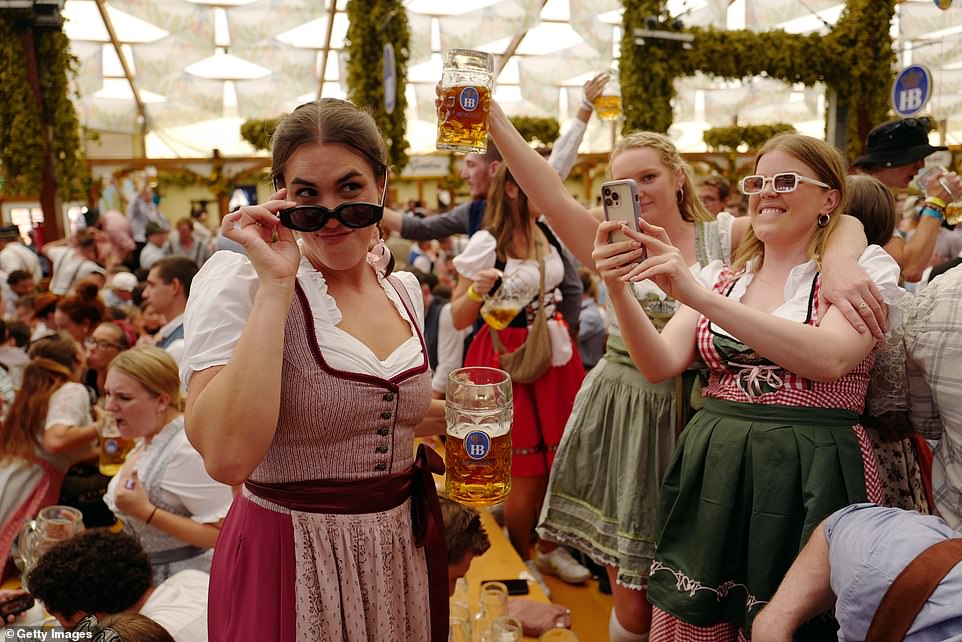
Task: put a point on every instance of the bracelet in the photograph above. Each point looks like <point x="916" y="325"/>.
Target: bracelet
<point x="473" y="294"/>
<point x="936" y="201"/>
<point x="587" y="104"/>
<point x="152" y="513"/>
<point x="933" y="212"/>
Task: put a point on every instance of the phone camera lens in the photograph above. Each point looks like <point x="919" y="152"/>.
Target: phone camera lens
<point x="614" y="196"/>
<point x="608" y="202"/>
<point x="606" y="191"/>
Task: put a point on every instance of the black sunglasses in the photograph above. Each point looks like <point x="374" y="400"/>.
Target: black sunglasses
<point x="923" y="122"/>
<point x="311" y="218"/>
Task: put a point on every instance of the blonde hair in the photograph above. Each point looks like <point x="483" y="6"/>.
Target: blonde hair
<point x="154" y="369"/>
<point x="499" y="219"/>
<point x="829" y="167"/>
<point x="689" y="206"/>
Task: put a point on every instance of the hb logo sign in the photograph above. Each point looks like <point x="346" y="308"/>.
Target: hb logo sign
<point x="477" y="444"/>
<point x="911" y="90"/>
<point x="469" y="99"/>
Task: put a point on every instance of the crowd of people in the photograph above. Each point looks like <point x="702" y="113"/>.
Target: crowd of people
<point x="725" y="398"/>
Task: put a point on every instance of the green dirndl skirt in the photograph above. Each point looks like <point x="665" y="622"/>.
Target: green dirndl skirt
<point x="616" y="448"/>
<point x="747" y="486"/>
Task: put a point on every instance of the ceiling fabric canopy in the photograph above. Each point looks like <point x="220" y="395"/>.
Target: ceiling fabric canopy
<point x="202" y="67"/>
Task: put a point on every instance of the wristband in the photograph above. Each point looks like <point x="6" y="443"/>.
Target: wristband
<point x="587" y="104"/>
<point x="473" y="294"/>
<point x="936" y="201"/>
<point x="933" y="212"/>
<point x="152" y="513"/>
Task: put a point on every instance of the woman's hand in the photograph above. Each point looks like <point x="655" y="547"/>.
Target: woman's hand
<point x="615" y="260"/>
<point x="944" y="185"/>
<point x="131" y="498"/>
<point x="665" y="265"/>
<point x="5" y="596"/>
<point x="275" y="258"/>
<point x="485" y="280"/>
<point x="595" y="86"/>
<point x="856" y="296"/>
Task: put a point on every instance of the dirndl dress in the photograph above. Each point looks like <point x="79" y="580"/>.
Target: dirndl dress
<point x="770" y="456"/>
<point x="619" y="440"/>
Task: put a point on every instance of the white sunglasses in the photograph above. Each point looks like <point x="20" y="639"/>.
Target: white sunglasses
<point x="781" y="183"/>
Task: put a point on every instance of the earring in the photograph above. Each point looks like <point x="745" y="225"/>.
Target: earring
<point x="680" y="196"/>
<point x="823" y="219"/>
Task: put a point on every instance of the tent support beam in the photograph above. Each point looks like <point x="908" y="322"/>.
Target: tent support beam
<point x="140" y="138"/>
<point x="326" y="52"/>
<point x="513" y="46"/>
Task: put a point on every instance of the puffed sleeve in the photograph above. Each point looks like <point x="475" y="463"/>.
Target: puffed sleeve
<point x="884" y="271"/>
<point x="221" y="298"/>
<point x="186" y="478"/>
<point x="710" y="273"/>
<point x="726" y="223"/>
<point x="69" y="406"/>
<point x="479" y="254"/>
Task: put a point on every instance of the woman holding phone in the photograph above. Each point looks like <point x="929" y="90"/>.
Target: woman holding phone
<point x="777" y="446"/>
<point x="608" y="510"/>
<point x="297" y="396"/>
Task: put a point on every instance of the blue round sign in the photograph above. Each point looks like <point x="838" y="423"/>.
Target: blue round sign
<point x="477" y="444"/>
<point x="469" y="99"/>
<point x="390" y="79"/>
<point x="911" y="90"/>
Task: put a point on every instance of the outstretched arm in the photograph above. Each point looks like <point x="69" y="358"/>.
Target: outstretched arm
<point x="573" y="224"/>
<point x="846" y="285"/>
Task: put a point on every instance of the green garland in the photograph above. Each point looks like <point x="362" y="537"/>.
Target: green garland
<point x="536" y="128"/>
<point x="23" y="141"/>
<point x="855" y="59"/>
<point x="258" y="132"/>
<point x="372" y="24"/>
<point x="729" y="139"/>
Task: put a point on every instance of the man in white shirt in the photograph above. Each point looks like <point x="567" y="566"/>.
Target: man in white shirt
<point x="157" y="245"/>
<point x="168" y="286"/>
<point x="72" y="264"/>
<point x="14" y="255"/>
<point x="101" y="573"/>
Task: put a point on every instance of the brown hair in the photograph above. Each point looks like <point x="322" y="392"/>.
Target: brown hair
<point x="463" y="532"/>
<point x="500" y="220"/>
<point x="154" y="369"/>
<point x="324" y="122"/>
<point x="134" y="627"/>
<point x="871" y="202"/>
<point x="689" y="206"/>
<point x="84" y="306"/>
<point x="719" y="183"/>
<point x="829" y="167"/>
<point x="177" y="267"/>
<point x="52" y="363"/>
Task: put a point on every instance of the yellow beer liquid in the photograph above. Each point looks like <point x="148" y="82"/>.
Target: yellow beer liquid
<point x="474" y="482"/>
<point x="953" y="213"/>
<point x="463" y="118"/>
<point x="499" y="318"/>
<point x="608" y="107"/>
<point x="113" y="452"/>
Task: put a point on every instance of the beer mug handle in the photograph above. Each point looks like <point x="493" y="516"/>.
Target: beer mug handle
<point x="25" y="541"/>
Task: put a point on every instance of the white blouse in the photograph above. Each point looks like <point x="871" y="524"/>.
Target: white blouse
<point x="184" y="480"/>
<point x="882" y="269"/>
<point x="69" y="406"/>
<point x="221" y="298"/>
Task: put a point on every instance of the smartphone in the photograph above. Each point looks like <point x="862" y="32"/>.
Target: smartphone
<point x="515" y="587"/>
<point x="15" y="606"/>
<point x="621" y="203"/>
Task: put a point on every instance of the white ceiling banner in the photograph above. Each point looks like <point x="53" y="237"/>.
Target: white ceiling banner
<point x="917" y="19"/>
<point x="762" y="15"/>
<point x="585" y="19"/>
<point x="420" y="47"/>
<point x="500" y="20"/>
<point x="188" y="20"/>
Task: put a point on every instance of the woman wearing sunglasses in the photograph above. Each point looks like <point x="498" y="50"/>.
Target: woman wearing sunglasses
<point x="607" y="510"/>
<point x="777" y="446"/>
<point x="307" y="375"/>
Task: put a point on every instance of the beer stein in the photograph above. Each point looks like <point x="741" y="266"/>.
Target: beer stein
<point x="459" y="624"/>
<point x="478" y="409"/>
<point x="466" y="85"/>
<point x="608" y="104"/>
<point x="492" y="602"/>
<point x="506" y="629"/>
<point x="53" y="524"/>
<point x="113" y="447"/>
<point x="516" y="291"/>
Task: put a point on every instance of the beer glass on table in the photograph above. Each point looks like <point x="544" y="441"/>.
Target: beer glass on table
<point x="53" y="524"/>
<point x="113" y="447"/>
<point x="478" y="409"/>
<point x="466" y="85"/>
<point x="608" y="104"/>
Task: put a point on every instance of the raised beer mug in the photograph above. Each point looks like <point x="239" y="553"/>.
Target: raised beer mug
<point x="466" y="84"/>
<point x="113" y="447"/>
<point x="515" y="292"/>
<point x="478" y="409"/>
<point x="608" y="104"/>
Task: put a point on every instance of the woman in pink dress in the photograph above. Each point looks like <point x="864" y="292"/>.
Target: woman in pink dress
<point x="307" y="376"/>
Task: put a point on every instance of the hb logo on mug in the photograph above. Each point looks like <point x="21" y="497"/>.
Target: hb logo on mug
<point x="469" y="99"/>
<point x="477" y="444"/>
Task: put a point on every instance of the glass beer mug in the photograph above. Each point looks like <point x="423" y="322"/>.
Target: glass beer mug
<point x="516" y="291"/>
<point x="466" y="84"/>
<point x="608" y="104"/>
<point x="53" y="524"/>
<point x="113" y="447"/>
<point x="478" y="409"/>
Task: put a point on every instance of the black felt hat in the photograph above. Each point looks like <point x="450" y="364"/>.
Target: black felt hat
<point x="898" y="142"/>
